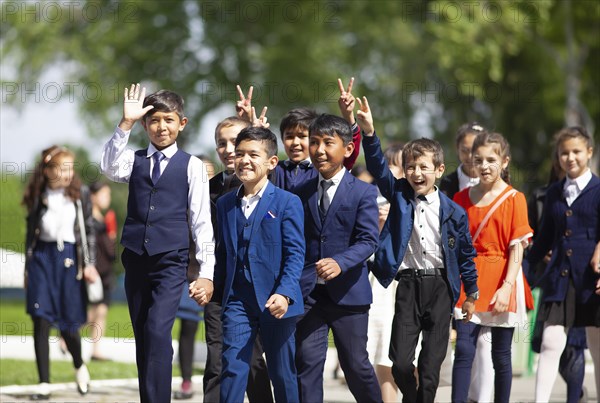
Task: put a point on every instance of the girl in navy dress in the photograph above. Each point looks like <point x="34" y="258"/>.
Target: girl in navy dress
<point x="570" y="228"/>
<point x="55" y="268"/>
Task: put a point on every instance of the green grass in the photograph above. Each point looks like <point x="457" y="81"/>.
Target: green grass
<point x="12" y="213"/>
<point x="14" y="321"/>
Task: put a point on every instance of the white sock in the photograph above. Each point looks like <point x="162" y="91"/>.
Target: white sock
<point x="482" y="373"/>
<point x="593" y="342"/>
<point x="554" y="340"/>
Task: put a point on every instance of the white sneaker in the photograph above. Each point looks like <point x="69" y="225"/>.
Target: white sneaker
<point x="42" y="392"/>
<point x="82" y="379"/>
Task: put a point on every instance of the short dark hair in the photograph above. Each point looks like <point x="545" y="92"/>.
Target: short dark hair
<point x="416" y="148"/>
<point x="164" y="101"/>
<point x="265" y="136"/>
<point x="332" y="126"/>
<point x="298" y="117"/>
<point x="394" y="153"/>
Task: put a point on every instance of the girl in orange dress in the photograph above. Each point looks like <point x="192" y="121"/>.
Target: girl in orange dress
<point x="499" y="226"/>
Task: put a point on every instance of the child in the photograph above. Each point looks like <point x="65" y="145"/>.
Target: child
<point x="569" y="229"/>
<point x="340" y="215"/>
<point x="260" y="251"/>
<point x="298" y="168"/>
<point x="259" y="386"/>
<point x="425" y="245"/>
<point x="500" y="229"/>
<point x="168" y="198"/>
<point x="464" y="176"/>
<point x="57" y="259"/>
<point x="105" y="229"/>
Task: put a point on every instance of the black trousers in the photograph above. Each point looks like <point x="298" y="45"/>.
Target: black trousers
<point x="423" y="305"/>
<point x="259" y="385"/>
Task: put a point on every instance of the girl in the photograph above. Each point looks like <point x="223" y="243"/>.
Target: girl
<point x="105" y="229"/>
<point x="570" y="228"/>
<point x="56" y="203"/>
<point x="499" y="227"/>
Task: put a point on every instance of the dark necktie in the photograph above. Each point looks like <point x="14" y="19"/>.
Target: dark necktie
<point x="325" y="200"/>
<point x="158" y="157"/>
<point x="422" y="197"/>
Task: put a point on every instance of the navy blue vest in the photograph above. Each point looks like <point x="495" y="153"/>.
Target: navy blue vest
<point x="244" y="229"/>
<point x="157" y="215"/>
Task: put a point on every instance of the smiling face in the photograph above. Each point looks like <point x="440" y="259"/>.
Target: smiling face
<point x="295" y="143"/>
<point x="327" y="153"/>
<point x="252" y="163"/>
<point x="422" y="173"/>
<point x="488" y="163"/>
<point x="574" y="156"/>
<point x="225" y="140"/>
<point x="163" y="128"/>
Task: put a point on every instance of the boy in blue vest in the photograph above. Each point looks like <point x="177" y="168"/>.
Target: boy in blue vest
<point x="168" y="199"/>
<point x="259" y="258"/>
<point x="426" y="246"/>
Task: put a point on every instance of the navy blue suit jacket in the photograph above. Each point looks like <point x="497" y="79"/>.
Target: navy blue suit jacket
<point x="572" y="234"/>
<point x="348" y="235"/>
<point x="457" y="246"/>
<point x="275" y="251"/>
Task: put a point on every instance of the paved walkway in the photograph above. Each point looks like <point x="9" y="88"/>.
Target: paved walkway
<point x="125" y="390"/>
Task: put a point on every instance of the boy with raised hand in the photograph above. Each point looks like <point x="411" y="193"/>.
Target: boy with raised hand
<point x="298" y="168"/>
<point x="341" y="231"/>
<point x="168" y="199"/>
<point x="426" y="246"/>
<point x="259" y="257"/>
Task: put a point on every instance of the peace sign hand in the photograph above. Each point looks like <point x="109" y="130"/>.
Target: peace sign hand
<point x="346" y="101"/>
<point x="365" y="118"/>
<point x="261" y="121"/>
<point x="243" y="107"/>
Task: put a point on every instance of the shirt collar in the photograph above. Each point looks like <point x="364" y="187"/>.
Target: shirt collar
<point x="240" y="192"/>
<point x="465" y="181"/>
<point x="307" y="162"/>
<point x="581" y="181"/>
<point x="168" y="152"/>
<point x="336" y="179"/>
<point x="431" y="198"/>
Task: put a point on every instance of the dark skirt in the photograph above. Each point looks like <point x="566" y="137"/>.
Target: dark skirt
<point x="569" y="313"/>
<point x="53" y="291"/>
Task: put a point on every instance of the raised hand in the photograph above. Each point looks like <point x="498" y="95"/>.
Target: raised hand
<point x="243" y="107"/>
<point x="260" y="121"/>
<point x="364" y="117"/>
<point x="346" y="101"/>
<point x="133" y="106"/>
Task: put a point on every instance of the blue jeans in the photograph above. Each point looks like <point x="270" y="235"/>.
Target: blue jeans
<point x="466" y="343"/>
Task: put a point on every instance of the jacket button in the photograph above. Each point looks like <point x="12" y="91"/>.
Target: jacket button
<point x="564" y="273"/>
<point x="568" y="232"/>
<point x="146" y="240"/>
<point x="569" y="252"/>
<point x="323" y="239"/>
<point x="569" y="213"/>
<point x="151" y="207"/>
<point x="148" y="225"/>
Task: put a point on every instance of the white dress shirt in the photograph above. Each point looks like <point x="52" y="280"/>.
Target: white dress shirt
<point x="249" y="203"/>
<point x="424" y="248"/>
<point x="464" y="180"/>
<point x="573" y="187"/>
<point x="58" y="222"/>
<point x="117" y="164"/>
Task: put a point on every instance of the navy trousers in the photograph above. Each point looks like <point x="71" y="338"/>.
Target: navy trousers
<point x="153" y="285"/>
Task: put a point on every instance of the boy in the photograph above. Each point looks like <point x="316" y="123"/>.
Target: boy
<point x="425" y="244"/>
<point x="168" y="198"/>
<point x="341" y="230"/>
<point x="259" y="386"/>
<point x="298" y="168"/>
<point x="259" y="257"/>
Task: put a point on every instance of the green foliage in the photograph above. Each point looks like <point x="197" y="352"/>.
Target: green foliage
<point x="12" y="213"/>
<point x="427" y="66"/>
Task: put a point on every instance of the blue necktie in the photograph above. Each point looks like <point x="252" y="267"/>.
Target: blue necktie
<point x="158" y="157"/>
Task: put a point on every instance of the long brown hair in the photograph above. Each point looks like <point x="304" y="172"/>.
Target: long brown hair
<point x="38" y="180"/>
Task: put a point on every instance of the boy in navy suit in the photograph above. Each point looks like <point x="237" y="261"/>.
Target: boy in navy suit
<point x="259" y="258"/>
<point x="168" y="199"/>
<point x="425" y="244"/>
<point x="341" y="231"/>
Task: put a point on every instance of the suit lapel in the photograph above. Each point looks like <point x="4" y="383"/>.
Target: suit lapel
<point x="231" y="210"/>
<point x="313" y="202"/>
<point x="344" y="188"/>
<point x="263" y="206"/>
